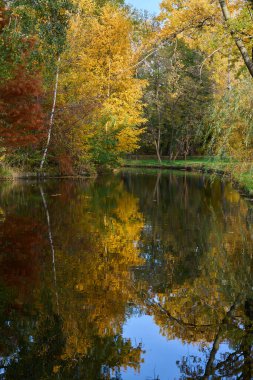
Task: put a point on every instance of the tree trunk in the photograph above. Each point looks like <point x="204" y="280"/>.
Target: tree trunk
<point x="50" y="237"/>
<point x="158" y="142"/>
<point x="229" y="72"/>
<point x="239" y="43"/>
<point x="51" y="122"/>
<point x="156" y="193"/>
<point x="217" y="342"/>
<point x="157" y="147"/>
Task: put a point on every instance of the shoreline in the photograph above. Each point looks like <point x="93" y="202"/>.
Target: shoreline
<point x="242" y="181"/>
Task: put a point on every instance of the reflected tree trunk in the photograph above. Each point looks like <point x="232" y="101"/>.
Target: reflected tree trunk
<point x="247" y="370"/>
<point x="156" y="193"/>
<point x="246" y="346"/>
<point x="50" y="238"/>
<point x="185" y="191"/>
<point x="217" y="342"/>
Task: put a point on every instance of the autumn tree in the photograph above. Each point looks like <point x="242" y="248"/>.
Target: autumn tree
<point x="98" y="91"/>
<point x="22" y="121"/>
<point x="221" y="23"/>
<point x="221" y="32"/>
<point x="42" y="23"/>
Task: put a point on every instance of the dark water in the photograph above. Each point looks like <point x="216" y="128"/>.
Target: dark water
<point x="138" y="275"/>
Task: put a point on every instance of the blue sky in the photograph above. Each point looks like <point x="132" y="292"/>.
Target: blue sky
<point x="150" y="5"/>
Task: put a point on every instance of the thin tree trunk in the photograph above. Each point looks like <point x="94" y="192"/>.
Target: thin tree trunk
<point x="50" y="237"/>
<point x="156" y="193"/>
<point x="158" y="142"/>
<point x="229" y="71"/>
<point x="51" y="122"/>
<point x="217" y="342"/>
<point x="239" y="43"/>
<point x="157" y="147"/>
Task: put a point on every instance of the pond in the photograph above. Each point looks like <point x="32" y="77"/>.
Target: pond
<point x="139" y="275"/>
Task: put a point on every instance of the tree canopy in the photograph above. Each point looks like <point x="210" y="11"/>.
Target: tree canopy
<point x="104" y="81"/>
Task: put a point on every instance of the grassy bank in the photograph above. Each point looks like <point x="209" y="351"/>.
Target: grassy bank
<point x="240" y="173"/>
<point x="6" y="173"/>
<point x="9" y="173"/>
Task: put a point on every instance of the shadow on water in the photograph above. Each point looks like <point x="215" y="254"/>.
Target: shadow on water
<point x="78" y="260"/>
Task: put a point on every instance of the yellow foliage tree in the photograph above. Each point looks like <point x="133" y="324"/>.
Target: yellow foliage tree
<point x="213" y="26"/>
<point x="221" y="31"/>
<point x="98" y="90"/>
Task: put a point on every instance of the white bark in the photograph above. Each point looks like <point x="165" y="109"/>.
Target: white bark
<point x="50" y="237"/>
<point x="51" y="122"/>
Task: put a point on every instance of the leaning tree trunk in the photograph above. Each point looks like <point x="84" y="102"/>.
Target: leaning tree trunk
<point x="218" y="340"/>
<point x="239" y="42"/>
<point x="51" y="122"/>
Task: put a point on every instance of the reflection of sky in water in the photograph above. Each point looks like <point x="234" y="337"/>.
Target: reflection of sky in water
<point x="97" y="243"/>
<point x="160" y="359"/>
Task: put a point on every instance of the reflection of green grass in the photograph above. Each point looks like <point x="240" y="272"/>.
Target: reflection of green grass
<point x="242" y="173"/>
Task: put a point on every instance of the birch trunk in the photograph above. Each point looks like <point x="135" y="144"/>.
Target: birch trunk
<point x="50" y="237"/>
<point x="51" y="122"/>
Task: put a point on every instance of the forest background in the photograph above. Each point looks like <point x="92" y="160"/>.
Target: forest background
<point x="84" y="84"/>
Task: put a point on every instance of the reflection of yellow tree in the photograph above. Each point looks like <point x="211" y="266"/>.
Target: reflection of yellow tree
<point x="201" y="287"/>
<point x="97" y="248"/>
<point x="81" y="289"/>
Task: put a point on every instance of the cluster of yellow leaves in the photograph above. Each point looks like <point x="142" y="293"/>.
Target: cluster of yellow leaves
<point x="186" y="16"/>
<point x="95" y="283"/>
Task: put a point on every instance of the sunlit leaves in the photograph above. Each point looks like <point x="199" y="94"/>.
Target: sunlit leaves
<point x="97" y="78"/>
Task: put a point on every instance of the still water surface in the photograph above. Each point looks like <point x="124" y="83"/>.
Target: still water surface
<point x="138" y="275"/>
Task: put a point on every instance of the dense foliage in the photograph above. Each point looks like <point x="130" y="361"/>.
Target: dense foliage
<point x="83" y="83"/>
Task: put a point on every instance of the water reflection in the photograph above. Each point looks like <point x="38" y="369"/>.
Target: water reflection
<point x="81" y="259"/>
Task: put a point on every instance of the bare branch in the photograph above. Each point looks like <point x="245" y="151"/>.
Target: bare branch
<point x="206" y="59"/>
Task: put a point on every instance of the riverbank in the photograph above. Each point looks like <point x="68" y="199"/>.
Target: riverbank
<point x="240" y="173"/>
<point x="10" y="174"/>
<point x="7" y="174"/>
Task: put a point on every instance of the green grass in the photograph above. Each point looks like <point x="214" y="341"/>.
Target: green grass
<point x="242" y="173"/>
<point x="245" y="180"/>
<point x="5" y="172"/>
